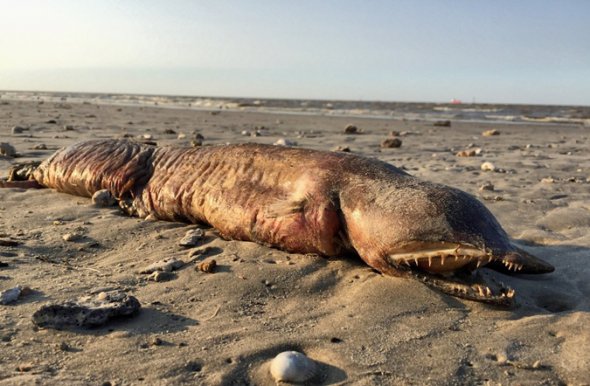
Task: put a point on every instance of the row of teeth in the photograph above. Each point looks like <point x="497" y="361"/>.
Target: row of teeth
<point x="442" y="258"/>
<point x="513" y="266"/>
<point x="486" y="292"/>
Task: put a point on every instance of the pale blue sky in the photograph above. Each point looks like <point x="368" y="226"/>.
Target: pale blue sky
<point x="494" y="51"/>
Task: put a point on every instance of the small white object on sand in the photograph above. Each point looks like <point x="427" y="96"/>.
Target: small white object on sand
<point x="292" y="366"/>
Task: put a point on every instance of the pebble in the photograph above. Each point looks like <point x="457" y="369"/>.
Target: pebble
<point x="63" y="346"/>
<point x="285" y="142"/>
<point x="166" y="265"/>
<point x="487" y="186"/>
<point x="467" y="153"/>
<point x="40" y="146"/>
<point x="292" y="366"/>
<point x="160" y="276"/>
<point x="488" y="167"/>
<point x="199" y="252"/>
<point x="7" y="149"/>
<point x="191" y="238"/>
<point x="390" y="143"/>
<point x="501" y="357"/>
<point x="489" y="133"/>
<point x="446" y="123"/>
<point x="11" y="295"/>
<point x="17" y="130"/>
<point x="87" y="311"/>
<point x="24" y="367"/>
<point x="103" y="198"/>
<point x="548" y="180"/>
<point x="181" y="136"/>
<point x="351" y="129"/>
<point x="207" y="266"/>
<point x="69" y="237"/>
<point x="341" y="148"/>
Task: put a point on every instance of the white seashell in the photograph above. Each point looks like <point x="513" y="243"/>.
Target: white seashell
<point x="285" y="142"/>
<point x="292" y="366"/>
<point x="12" y="294"/>
<point x="488" y="167"/>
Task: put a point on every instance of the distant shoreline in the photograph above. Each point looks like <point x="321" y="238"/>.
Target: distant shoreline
<point x="410" y="111"/>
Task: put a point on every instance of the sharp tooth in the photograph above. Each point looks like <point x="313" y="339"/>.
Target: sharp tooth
<point x="416" y="260"/>
<point x="510" y="293"/>
<point x="488" y="291"/>
<point x="429" y="261"/>
<point x="442" y="259"/>
<point x="490" y="258"/>
<point x="456" y="257"/>
<point x="480" y="291"/>
<point x="478" y="263"/>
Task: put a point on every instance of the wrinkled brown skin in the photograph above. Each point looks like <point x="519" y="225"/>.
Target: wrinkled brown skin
<point x="297" y="200"/>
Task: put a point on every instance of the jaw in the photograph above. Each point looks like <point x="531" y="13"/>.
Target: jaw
<point x="452" y="269"/>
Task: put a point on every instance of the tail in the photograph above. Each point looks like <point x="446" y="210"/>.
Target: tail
<point x="29" y="184"/>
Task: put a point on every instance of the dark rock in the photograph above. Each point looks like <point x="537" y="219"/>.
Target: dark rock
<point x="7" y="150"/>
<point x="442" y="123"/>
<point x="351" y="129"/>
<point x="391" y="143"/>
<point x="87" y="311"/>
<point x="17" y="130"/>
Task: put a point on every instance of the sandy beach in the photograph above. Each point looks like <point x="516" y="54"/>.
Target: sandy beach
<point x="361" y="327"/>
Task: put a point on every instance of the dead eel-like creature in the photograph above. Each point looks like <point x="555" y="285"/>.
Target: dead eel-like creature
<point x="302" y="201"/>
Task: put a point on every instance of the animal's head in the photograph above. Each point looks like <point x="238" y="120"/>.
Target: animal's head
<point x="404" y="226"/>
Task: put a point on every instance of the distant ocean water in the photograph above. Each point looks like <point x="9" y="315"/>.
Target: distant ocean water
<point x="509" y="113"/>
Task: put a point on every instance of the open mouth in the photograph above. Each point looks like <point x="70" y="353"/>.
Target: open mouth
<point x="453" y="269"/>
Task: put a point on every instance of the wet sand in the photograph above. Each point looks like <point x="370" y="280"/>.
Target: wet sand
<point x="363" y="328"/>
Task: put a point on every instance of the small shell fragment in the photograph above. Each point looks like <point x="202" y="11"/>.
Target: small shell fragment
<point x="292" y="366"/>
<point x="488" y="167"/>
<point x="165" y="265"/>
<point x="11" y="295"/>
<point x="192" y="238"/>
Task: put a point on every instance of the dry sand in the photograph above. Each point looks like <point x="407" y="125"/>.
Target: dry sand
<point x="362" y="327"/>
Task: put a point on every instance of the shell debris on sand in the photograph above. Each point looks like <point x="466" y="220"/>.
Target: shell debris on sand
<point x="192" y="238"/>
<point x="165" y="265"/>
<point x="489" y="133"/>
<point x="285" y="142"/>
<point x="11" y="295"/>
<point x="292" y="366"/>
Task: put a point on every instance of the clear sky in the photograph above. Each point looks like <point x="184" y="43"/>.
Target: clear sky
<point x="432" y="50"/>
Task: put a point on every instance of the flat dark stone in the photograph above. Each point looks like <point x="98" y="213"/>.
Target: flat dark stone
<point x="87" y="311"/>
